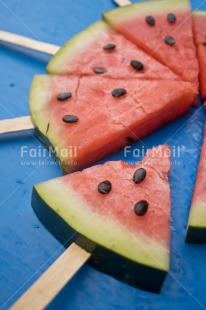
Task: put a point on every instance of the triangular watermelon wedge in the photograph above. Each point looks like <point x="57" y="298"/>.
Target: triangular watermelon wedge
<point x="196" y="228"/>
<point x="101" y="123"/>
<point x="199" y="18"/>
<point x="127" y="242"/>
<point x="169" y="39"/>
<point x="100" y="50"/>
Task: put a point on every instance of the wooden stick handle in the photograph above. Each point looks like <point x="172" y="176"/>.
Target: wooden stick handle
<point x="35" y="45"/>
<point x="41" y="293"/>
<point x="122" y="2"/>
<point x="16" y="124"/>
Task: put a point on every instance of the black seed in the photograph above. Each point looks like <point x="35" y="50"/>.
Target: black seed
<point x="169" y="40"/>
<point x="118" y="92"/>
<point x="150" y="20"/>
<point x="109" y="46"/>
<point x="171" y="18"/>
<point x="141" y="207"/>
<point x="47" y="129"/>
<point x="130" y="140"/>
<point x="64" y="96"/>
<point x="139" y="175"/>
<point x="104" y="187"/>
<point x="137" y="65"/>
<point x="100" y="70"/>
<point x="70" y="119"/>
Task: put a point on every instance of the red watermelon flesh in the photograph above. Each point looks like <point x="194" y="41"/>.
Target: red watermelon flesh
<point x="180" y="57"/>
<point x="196" y="229"/>
<point x="199" y="18"/>
<point x="116" y="172"/>
<point x="199" y="21"/>
<point x="105" y="122"/>
<point x="132" y="248"/>
<point x="85" y="52"/>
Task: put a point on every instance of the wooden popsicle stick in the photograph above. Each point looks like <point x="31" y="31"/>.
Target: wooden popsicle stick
<point x="22" y="41"/>
<point x="122" y="2"/>
<point x="16" y="124"/>
<point x="42" y="292"/>
<point x="36" y="45"/>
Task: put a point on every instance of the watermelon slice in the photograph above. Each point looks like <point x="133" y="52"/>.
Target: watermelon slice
<point x="199" y="18"/>
<point x="126" y="227"/>
<point x="101" y="50"/>
<point x="196" y="229"/>
<point x="101" y="122"/>
<point x="163" y="29"/>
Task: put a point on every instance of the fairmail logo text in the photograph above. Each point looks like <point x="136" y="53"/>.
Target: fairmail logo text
<point x="40" y="152"/>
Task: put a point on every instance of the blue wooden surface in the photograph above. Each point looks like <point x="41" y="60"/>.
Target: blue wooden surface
<point x="26" y="247"/>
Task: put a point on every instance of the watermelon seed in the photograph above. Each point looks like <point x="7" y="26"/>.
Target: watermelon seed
<point x="118" y="92"/>
<point x="141" y="207"/>
<point x="100" y="70"/>
<point x="150" y="20"/>
<point x="139" y="175"/>
<point x="70" y="119"/>
<point x="104" y="187"/>
<point x="171" y="18"/>
<point x="169" y="40"/>
<point x="109" y="46"/>
<point x="64" y="96"/>
<point x="137" y="65"/>
<point x="130" y="139"/>
<point x="47" y="129"/>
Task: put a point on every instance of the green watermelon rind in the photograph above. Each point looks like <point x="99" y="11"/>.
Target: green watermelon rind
<point x="196" y="228"/>
<point x="124" y="13"/>
<point x="143" y="275"/>
<point x="69" y="50"/>
<point x="199" y="13"/>
<point x="38" y="96"/>
<point x="196" y="235"/>
<point x="121" y="268"/>
<point x="39" y="89"/>
<point x="142" y="249"/>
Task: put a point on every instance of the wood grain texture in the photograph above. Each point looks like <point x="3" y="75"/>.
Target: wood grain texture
<point x="16" y="124"/>
<point x="22" y="41"/>
<point x="41" y="293"/>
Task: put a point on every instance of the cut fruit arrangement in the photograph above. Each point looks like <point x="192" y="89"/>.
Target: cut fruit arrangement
<point x="117" y="81"/>
<point x="114" y="84"/>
